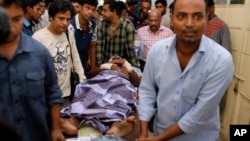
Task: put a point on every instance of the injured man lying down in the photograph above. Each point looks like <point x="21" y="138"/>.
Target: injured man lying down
<point x="105" y="101"/>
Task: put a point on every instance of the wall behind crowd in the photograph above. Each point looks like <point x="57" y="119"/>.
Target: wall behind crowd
<point x="153" y="3"/>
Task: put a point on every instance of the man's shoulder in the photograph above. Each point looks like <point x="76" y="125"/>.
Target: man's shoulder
<point x="126" y="22"/>
<point x="214" y="49"/>
<point x="93" y="23"/>
<point x="143" y="29"/>
<point x="216" y="23"/>
<point x="31" y="43"/>
<point x="40" y="32"/>
<point x="163" y="44"/>
<point x="164" y="28"/>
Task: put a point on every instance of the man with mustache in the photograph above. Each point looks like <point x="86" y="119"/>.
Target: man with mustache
<point x="152" y="33"/>
<point x="62" y="46"/>
<point x="184" y="79"/>
<point x="115" y="35"/>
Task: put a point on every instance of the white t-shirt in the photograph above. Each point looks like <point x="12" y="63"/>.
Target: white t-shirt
<point x="59" y="49"/>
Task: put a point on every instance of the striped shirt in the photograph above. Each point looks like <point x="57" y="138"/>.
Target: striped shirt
<point x="148" y="38"/>
<point x="120" y="43"/>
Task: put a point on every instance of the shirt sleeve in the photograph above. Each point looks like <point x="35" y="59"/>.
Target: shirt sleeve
<point x="94" y="36"/>
<point x="76" y="59"/>
<point x="147" y="90"/>
<point x="99" y="44"/>
<point x="214" y="87"/>
<point x="225" y="38"/>
<point x="130" y="41"/>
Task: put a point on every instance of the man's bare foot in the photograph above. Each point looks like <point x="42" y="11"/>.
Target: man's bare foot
<point x="67" y="127"/>
<point x="124" y="127"/>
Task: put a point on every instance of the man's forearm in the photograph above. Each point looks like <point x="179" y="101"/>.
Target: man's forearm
<point x="143" y="129"/>
<point x="134" y="78"/>
<point x="54" y="112"/>
<point x="93" y="54"/>
<point x="172" y="132"/>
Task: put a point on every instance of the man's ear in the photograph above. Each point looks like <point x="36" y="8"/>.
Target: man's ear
<point x="50" y="18"/>
<point x="171" y="19"/>
<point x="29" y="9"/>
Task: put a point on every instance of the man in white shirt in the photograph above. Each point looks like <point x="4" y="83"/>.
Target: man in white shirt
<point x="62" y="48"/>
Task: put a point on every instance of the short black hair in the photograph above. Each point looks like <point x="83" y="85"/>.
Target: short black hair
<point x="210" y="3"/>
<point x="100" y="7"/>
<point x="29" y="3"/>
<point x="90" y="2"/>
<point x="60" y="6"/>
<point x="163" y="2"/>
<point x="47" y="2"/>
<point x="113" y="6"/>
<point x="172" y="6"/>
<point x="149" y="1"/>
<point x="121" y="5"/>
<point x="8" y="3"/>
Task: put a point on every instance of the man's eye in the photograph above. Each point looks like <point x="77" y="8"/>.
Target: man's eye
<point x="198" y="17"/>
<point x="17" y="19"/>
<point x="180" y="17"/>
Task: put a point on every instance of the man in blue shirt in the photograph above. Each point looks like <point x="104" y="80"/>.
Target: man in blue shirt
<point x="30" y="97"/>
<point x="181" y="88"/>
<point x="85" y="34"/>
<point x="32" y="13"/>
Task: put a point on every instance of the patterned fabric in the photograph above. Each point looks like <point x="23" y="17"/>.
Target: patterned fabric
<point x="213" y="25"/>
<point x="148" y="38"/>
<point x="105" y="98"/>
<point x="59" y="48"/>
<point x="120" y="44"/>
<point x="218" y="31"/>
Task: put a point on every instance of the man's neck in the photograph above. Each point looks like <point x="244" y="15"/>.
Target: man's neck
<point x="83" y="22"/>
<point x="51" y="29"/>
<point x="154" y="31"/>
<point x="115" y="21"/>
<point x="187" y="49"/>
<point x="28" y="17"/>
<point x="211" y="17"/>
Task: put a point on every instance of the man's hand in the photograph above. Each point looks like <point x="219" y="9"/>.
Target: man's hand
<point x="116" y="67"/>
<point x="118" y="62"/>
<point x="56" y="135"/>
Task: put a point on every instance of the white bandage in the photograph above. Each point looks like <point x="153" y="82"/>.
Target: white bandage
<point x="106" y="66"/>
<point x="128" y="66"/>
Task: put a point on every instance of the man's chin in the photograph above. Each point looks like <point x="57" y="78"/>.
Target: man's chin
<point x="10" y="39"/>
<point x="36" y="21"/>
<point x="190" y="40"/>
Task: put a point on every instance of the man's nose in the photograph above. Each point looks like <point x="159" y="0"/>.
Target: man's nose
<point x="189" y="21"/>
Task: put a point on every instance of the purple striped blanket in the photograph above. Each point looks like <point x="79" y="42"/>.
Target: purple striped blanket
<point x="107" y="97"/>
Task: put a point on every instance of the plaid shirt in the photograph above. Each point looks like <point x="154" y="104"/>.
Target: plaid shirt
<point x="148" y="38"/>
<point x="120" y="44"/>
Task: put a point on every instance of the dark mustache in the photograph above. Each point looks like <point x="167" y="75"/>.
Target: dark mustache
<point x="189" y="30"/>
